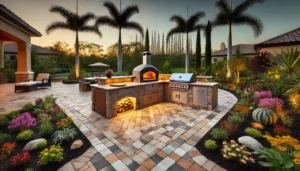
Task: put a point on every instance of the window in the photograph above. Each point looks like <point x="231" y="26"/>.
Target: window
<point x="224" y="58"/>
<point x="215" y="59"/>
<point x="12" y="57"/>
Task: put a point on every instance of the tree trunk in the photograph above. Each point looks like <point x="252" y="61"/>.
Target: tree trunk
<point x="229" y="51"/>
<point x="120" y="53"/>
<point x="77" y="62"/>
<point x="187" y="60"/>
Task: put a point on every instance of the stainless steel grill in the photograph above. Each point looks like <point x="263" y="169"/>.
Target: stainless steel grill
<point x="182" y="80"/>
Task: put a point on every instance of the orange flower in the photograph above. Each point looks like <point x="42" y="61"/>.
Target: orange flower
<point x="296" y="161"/>
<point x="241" y="108"/>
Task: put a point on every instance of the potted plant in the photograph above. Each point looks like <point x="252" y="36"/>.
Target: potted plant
<point x="108" y="73"/>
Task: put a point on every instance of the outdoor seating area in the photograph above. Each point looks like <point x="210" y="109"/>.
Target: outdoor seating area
<point x="42" y="80"/>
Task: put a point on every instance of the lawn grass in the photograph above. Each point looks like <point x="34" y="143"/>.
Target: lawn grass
<point x="177" y="70"/>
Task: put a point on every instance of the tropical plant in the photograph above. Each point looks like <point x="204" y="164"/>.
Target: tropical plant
<point x="219" y="134"/>
<point x="73" y="22"/>
<point x="24" y="135"/>
<point x="64" y="135"/>
<point x="210" y="144"/>
<point x="120" y="20"/>
<point x="236" y="16"/>
<point x="147" y="41"/>
<point x="208" y="52"/>
<point x="253" y="132"/>
<point x="260" y="63"/>
<point x="54" y="154"/>
<point x="185" y="26"/>
<point x="233" y="151"/>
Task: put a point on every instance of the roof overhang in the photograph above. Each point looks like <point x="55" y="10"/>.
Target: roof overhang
<point x="262" y="45"/>
<point x="11" y="18"/>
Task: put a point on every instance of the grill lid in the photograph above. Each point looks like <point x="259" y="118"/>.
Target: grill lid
<point x="183" y="78"/>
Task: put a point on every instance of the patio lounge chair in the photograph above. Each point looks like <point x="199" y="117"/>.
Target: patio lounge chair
<point x="42" y="80"/>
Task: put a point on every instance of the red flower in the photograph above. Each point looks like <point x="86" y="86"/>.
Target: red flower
<point x="20" y="159"/>
<point x="281" y="130"/>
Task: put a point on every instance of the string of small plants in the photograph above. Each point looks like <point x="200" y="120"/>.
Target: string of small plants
<point x="39" y="136"/>
<point x="266" y="137"/>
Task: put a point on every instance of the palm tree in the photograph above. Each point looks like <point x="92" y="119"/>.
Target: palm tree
<point x="237" y="16"/>
<point x="185" y="26"/>
<point x="120" y="20"/>
<point x="74" y="22"/>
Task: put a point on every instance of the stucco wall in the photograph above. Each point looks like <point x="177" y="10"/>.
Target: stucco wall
<point x="278" y="49"/>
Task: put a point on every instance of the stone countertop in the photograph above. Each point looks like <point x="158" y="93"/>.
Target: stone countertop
<point x="128" y="85"/>
<point x="198" y="83"/>
<point x="114" y="77"/>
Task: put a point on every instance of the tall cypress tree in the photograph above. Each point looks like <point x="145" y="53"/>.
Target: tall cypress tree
<point x="163" y="44"/>
<point x="208" y="45"/>
<point x="158" y="44"/>
<point x="147" y="40"/>
<point x="198" y="50"/>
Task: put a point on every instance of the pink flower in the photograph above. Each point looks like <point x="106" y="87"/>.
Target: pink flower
<point x="225" y="156"/>
<point x="263" y="94"/>
<point x="243" y="161"/>
<point x="24" y="121"/>
<point x="271" y="103"/>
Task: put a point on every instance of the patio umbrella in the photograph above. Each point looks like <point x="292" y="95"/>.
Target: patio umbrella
<point x="99" y="64"/>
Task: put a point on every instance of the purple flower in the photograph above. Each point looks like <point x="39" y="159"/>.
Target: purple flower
<point x="23" y="121"/>
<point x="263" y="94"/>
<point x="271" y="103"/>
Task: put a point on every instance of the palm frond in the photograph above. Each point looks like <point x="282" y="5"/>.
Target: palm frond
<point x="173" y="31"/>
<point x="57" y="25"/>
<point x="104" y="20"/>
<point x="200" y="26"/>
<point x="179" y="20"/>
<point x="192" y="21"/>
<point x="246" y="19"/>
<point x="128" y="12"/>
<point x="288" y="61"/>
<point x="223" y="6"/>
<point x="135" y="26"/>
<point x="294" y="82"/>
<point x="244" y="6"/>
<point x="62" y="11"/>
<point x="92" y="29"/>
<point x="85" y="18"/>
<point x="112" y="9"/>
<point x="221" y="19"/>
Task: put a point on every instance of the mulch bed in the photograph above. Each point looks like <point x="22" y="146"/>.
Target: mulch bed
<point x="232" y="165"/>
<point x="68" y="154"/>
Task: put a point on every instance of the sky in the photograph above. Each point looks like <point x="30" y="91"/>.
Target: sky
<point x="278" y="17"/>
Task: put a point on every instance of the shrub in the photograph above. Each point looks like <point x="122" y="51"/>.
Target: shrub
<point x="36" y="112"/>
<point x="271" y="103"/>
<point x="54" y="154"/>
<point x="64" y="135"/>
<point x="60" y="115"/>
<point x="64" y="123"/>
<point x="41" y="144"/>
<point x="229" y="127"/>
<point x="48" y="106"/>
<point x="211" y="145"/>
<point x="39" y="100"/>
<point x="261" y="62"/>
<point x="26" y="107"/>
<point x="43" y="116"/>
<point x="253" y="132"/>
<point x="49" y="99"/>
<point x="29" y="169"/>
<point x="233" y="151"/>
<point x="24" y="135"/>
<point x="281" y="130"/>
<point x="4" y="137"/>
<point x="241" y="108"/>
<point x="286" y="120"/>
<point x="46" y="127"/>
<point x="219" y="134"/>
<point x="257" y="125"/>
<point x="20" y="159"/>
<point x="4" y="120"/>
<point x="13" y="115"/>
<point x="22" y="122"/>
<point x="236" y="118"/>
<point x="67" y="81"/>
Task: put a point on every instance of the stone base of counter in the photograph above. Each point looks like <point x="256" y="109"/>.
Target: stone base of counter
<point x="106" y="101"/>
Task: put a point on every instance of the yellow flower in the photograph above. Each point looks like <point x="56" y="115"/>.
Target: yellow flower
<point x="296" y="161"/>
<point x="297" y="154"/>
<point x="281" y="148"/>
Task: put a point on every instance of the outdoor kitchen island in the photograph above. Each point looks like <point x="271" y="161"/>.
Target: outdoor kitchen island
<point x="110" y="101"/>
<point x="146" y="87"/>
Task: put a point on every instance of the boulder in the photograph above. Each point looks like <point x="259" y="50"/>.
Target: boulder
<point x="76" y="144"/>
<point x="250" y="142"/>
<point x="32" y="145"/>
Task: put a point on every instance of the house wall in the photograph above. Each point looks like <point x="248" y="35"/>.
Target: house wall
<point x="278" y="49"/>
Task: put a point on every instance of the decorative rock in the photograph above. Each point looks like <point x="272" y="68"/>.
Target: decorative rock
<point x="32" y="145"/>
<point x="76" y="144"/>
<point x="250" y="142"/>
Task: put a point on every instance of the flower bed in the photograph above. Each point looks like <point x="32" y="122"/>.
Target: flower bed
<point x="245" y="126"/>
<point x="33" y="122"/>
